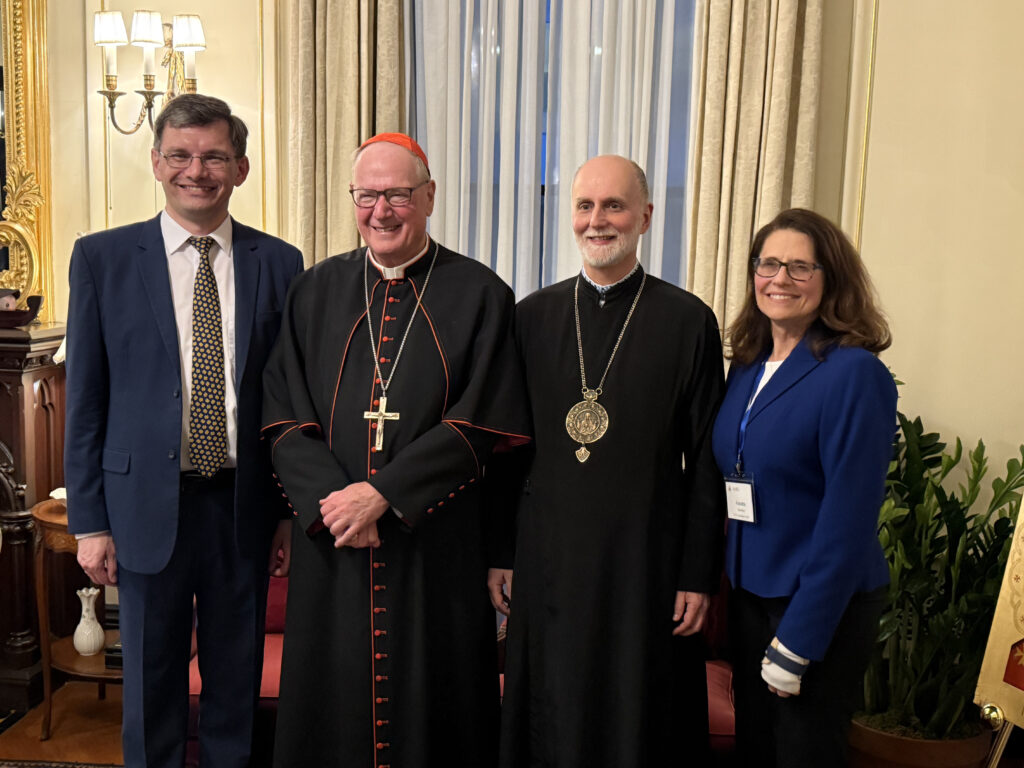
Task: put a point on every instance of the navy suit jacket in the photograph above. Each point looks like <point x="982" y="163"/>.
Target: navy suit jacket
<point x="124" y="403"/>
<point x="818" y="444"/>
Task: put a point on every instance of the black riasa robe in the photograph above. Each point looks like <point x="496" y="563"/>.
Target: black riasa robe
<point x="594" y="676"/>
<point x="389" y="654"/>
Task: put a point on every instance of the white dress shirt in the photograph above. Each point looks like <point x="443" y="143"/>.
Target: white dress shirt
<point x="182" y="262"/>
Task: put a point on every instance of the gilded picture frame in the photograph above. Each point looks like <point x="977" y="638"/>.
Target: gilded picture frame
<point x="25" y="222"/>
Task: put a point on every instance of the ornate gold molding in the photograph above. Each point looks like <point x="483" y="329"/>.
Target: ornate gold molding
<point x="25" y="228"/>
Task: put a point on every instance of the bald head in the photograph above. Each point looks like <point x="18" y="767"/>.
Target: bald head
<point x="610" y="210"/>
<point x="623" y="163"/>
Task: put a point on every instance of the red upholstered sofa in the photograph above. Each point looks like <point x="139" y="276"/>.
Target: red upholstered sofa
<point x="721" y="711"/>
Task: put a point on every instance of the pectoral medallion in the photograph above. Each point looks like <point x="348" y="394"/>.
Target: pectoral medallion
<point x="586" y="422"/>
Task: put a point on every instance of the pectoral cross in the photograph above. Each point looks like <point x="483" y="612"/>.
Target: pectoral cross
<point x="381" y="415"/>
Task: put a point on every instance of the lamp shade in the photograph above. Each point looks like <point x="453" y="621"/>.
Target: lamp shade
<point x="108" y="28"/>
<point x="147" y="29"/>
<point x="188" y="33"/>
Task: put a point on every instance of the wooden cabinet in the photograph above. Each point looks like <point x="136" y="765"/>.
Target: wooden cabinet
<point x="31" y="465"/>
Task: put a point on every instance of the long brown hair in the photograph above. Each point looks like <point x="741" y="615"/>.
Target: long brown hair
<point x="848" y="315"/>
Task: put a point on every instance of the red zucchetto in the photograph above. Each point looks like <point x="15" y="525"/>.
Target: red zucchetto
<point x="401" y="140"/>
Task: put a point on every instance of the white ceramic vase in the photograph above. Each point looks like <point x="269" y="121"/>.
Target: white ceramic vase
<point x="89" y="635"/>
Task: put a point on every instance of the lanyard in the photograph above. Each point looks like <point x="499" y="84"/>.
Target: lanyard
<point x="746" y="419"/>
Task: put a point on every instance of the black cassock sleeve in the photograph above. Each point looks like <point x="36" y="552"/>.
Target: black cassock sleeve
<point x="700" y="567"/>
<point x="303" y="464"/>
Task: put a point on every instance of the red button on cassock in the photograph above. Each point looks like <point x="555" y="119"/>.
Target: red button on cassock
<point x="373" y="471"/>
<point x="451" y="495"/>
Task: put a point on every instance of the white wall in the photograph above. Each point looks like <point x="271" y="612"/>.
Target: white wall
<point x="103" y="179"/>
<point x="943" y="207"/>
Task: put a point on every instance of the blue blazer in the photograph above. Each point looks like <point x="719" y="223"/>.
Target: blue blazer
<point x="818" y="444"/>
<point x="124" y="404"/>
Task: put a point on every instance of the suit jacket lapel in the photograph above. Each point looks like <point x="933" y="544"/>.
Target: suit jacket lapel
<point x="800" y="362"/>
<point x="153" y="266"/>
<point x="245" y="252"/>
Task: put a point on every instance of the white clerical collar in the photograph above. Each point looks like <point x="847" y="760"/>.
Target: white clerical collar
<point x="397" y="273"/>
<point x="603" y="289"/>
<point x="176" y="237"/>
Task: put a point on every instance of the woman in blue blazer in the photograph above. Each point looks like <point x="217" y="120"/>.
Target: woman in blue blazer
<point x="804" y="438"/>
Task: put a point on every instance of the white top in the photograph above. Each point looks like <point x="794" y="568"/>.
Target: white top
<point x="770" y="367"/>
<point x="182" y="261"/>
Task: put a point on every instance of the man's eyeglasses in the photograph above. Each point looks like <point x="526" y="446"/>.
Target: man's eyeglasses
<point x="798" y="270"/>
<point x="212" y="161"/>
<point x="397" y="197"/>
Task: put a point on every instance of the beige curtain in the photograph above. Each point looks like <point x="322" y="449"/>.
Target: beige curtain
<point x="756" y="83"/>
<point x="340" y="73"/>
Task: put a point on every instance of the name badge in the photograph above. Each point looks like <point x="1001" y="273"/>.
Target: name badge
<point x="739" y="495"/>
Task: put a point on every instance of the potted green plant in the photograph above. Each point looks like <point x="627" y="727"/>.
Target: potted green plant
<point x="947" y="548"/>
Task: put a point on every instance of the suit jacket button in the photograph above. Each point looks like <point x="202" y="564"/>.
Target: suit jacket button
<point x="177" y="394"/>
<point x="172" y="455"/>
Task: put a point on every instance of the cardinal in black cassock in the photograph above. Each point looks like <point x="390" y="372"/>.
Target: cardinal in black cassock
<point x="612" y="530"/>
<point x="389" y="654"/>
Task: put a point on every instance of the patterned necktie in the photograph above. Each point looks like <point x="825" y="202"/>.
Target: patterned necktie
<point x="207" y="423"/>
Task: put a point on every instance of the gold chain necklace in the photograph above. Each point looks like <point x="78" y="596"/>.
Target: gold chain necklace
<point x="587" y="421"/>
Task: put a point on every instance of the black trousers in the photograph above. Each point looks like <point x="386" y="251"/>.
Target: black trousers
<point x="809" y="730"/>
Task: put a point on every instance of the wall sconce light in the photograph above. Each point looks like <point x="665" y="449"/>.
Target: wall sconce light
<point x="148" y="32"/>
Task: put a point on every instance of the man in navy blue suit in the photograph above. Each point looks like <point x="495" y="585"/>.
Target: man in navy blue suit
<point x="170" y="490"/>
